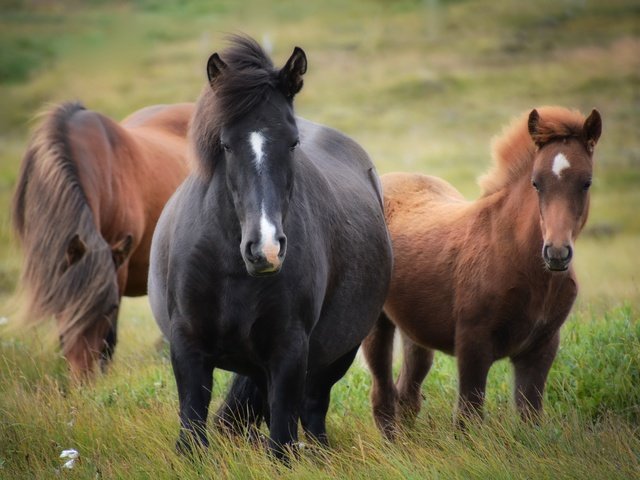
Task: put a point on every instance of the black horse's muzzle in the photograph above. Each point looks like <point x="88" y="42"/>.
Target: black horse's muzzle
<point x="262" y="261"/>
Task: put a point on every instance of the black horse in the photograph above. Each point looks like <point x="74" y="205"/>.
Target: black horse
<point x="267" y="185"/>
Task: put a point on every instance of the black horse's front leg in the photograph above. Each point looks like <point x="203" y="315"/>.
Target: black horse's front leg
<point x="194" y="379"/>
<point x="318" y="395"/>
<point x="243" y="409"/>
<point x="287" y="375"/>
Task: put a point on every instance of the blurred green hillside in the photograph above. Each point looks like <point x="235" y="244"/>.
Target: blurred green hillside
<point x="424" y="85"/>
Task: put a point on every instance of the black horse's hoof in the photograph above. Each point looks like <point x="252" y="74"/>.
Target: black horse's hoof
<point x="189" y="446"/>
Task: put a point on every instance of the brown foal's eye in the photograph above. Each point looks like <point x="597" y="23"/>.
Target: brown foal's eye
<point x="586" y="185"/>
<point x="535" y="185"/>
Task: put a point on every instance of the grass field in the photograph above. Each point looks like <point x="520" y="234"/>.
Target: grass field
<point x="423" y="86"/>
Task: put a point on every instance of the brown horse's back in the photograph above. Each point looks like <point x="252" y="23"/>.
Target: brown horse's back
<point x="144" y="158"/>
<point x="159" y="134"/>
<point x="168" y="118"/>
<point x="424" y="215"/>
<point x="416" y="192"/>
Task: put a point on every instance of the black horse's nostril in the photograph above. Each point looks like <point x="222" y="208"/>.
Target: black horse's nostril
<point x="251" y="253"/>
<point x="282" y="240"/>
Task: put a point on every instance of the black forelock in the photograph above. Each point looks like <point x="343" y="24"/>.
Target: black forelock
<point x="245" y="53"/>
<point x="249" y="79"/>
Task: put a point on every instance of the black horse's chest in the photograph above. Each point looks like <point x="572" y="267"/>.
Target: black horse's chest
<point x="235" y="318"/>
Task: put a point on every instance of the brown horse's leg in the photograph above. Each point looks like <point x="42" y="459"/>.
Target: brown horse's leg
<point x="474" y="357"/>
<point x="378" y="352"/>
<point x="531" y="370"/>
<point x="415" y="367"/>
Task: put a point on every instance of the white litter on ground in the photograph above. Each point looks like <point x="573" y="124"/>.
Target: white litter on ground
<point x="72" y="455"/>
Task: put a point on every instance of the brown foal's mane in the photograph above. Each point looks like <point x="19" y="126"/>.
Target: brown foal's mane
<point x="514" y="150"/>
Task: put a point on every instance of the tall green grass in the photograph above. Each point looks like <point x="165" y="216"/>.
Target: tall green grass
<point x="125" y="423"/>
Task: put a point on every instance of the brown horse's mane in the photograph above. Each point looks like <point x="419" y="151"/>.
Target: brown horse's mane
<point x="49" y="208"/>
<point x="249" y="79"/>
<point x="514" y="150"/>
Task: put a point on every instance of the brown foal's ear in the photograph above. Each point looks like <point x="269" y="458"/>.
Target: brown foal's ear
<point x="534" y="120"/>
<point x="75" y="251"/>
<point x="215" y="66"/>
<point x="290" y="75"/>
<point x="120" y="251"/>
<point x="592" y="129"/>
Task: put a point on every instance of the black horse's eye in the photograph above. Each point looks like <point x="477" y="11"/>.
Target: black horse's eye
<point x="294" y="145"/>
<point x="225" y="146"/>
<point x="586" y="185"/>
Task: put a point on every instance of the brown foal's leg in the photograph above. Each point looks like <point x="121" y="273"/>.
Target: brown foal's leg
<point x="531" y="370"/>
<point x="416" y="364"/>
<point x="473" y="353"/>
<point x="378" y="352"/>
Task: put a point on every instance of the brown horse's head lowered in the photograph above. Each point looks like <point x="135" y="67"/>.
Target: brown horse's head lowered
<point x="561" y="175"/>
<point x="87" y="199"/>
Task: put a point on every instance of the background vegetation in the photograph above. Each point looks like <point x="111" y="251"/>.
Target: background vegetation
<point x="423" y="86"/>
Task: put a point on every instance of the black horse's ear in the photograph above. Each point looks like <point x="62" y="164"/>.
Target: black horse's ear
<point x="291" y="74"/>
<point x="534" y="119"/>
<point x="215" y="66"/>
<point x="75" y="251"/>
<point x="592" y="129"/>
<point x="120" y="251"/>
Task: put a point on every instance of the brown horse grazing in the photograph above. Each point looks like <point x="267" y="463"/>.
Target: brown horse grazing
<point x="487" y="279"/>
<point x="88" y="197"/>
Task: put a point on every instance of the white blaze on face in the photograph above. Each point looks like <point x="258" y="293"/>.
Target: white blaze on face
<point x="560" y="163"/>
<point x="269" y="244"/>
<point x="256" y="139"/>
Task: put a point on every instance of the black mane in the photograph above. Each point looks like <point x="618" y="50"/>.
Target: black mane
<point x="249" y="80"/>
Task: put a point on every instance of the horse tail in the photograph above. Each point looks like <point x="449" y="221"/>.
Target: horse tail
<point x="243" y="407"/>
<point x="49" y="212"/>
